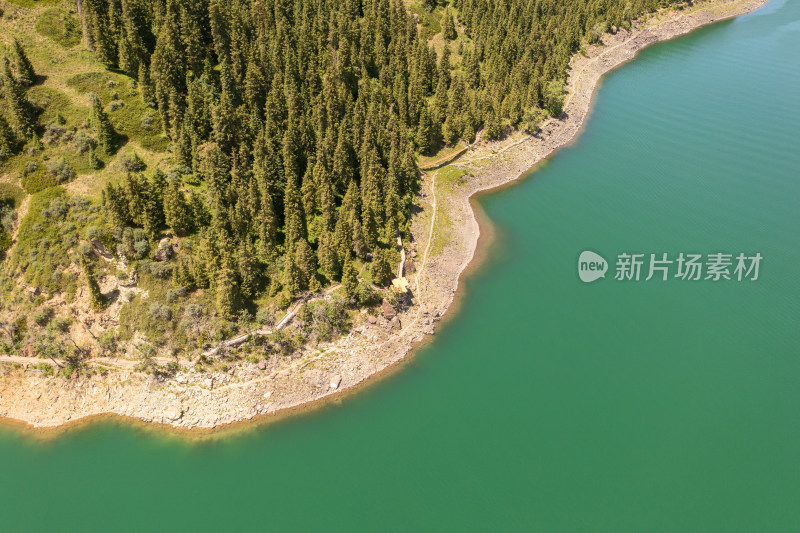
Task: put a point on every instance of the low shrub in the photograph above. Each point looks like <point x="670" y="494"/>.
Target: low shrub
<point x="84" y="142"/>
<point x="141" y="248"/>
<point x="43" y="317"/>
<point x="174" y="294"/>
<point x="53" y="133"/>
<point x="265" y="317"/>
<point x="61" y="170"/>
<point x="193" y="311"/>
<point x="45" y="368"/>
<point x="108" y="342"/>
<point x="328" y="318"/>
<point x="61" y="323"/>
<point x="161" y="270"/>
<point x="132" y="163"/>
<point x="160" y="312"/>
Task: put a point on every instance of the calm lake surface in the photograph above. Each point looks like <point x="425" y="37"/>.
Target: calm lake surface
<point x="546" y="404"/>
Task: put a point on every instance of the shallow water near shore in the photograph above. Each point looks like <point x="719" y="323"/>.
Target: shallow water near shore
<point x="545" y="404"/>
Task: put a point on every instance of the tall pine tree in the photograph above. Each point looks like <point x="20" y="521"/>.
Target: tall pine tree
<point x="25" y="73"/>
<point x="106" y="136"/>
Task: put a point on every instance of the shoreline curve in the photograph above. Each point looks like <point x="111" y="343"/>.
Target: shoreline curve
<point x="447" y="293"/>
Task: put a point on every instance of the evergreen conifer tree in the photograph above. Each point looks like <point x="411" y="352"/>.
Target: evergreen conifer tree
<point x="177" y="211"/>
<point x="424" y="134"/>
<point x="25" y="73"/>
<point x="293" y="213"/>
<point x="349" y="277"/>
<point x="226" y="291"/>
<point x="7" y="140"/>
<point x="182" y="275"/>
<point x="381" y="268"/>
<point x="102" y="125"/>
<point x="19" y="109"/>
<point x="248" y="269"/>
<point x="448" y="26"/>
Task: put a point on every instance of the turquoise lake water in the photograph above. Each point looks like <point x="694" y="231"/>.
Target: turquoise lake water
<point x="546" y="404"/>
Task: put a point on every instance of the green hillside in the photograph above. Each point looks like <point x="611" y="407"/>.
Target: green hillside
<point x="227" y="157"/>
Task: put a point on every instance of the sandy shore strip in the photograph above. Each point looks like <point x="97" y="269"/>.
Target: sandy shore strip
<point x="445" y="243"/>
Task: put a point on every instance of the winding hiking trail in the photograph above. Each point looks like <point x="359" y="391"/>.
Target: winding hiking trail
<point x="125" y="364"/>
<point x="445" y="160"/>
<point x="430" y="235"/>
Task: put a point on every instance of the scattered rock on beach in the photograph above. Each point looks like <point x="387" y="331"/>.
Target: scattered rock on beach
<point x="173" y="413"/>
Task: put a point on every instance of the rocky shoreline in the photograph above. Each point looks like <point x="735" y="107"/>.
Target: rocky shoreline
<point x="446" y="234"/>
